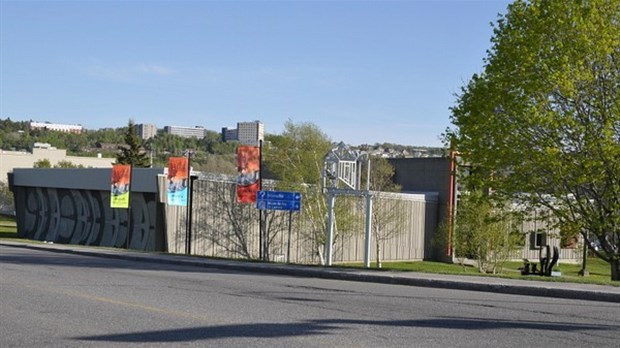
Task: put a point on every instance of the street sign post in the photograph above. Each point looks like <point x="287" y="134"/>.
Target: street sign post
<point x="278" y="200"/>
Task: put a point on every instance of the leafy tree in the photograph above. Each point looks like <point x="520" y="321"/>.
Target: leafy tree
<point x="170" y="143"/>
<point x="221" y="148"/>
<point x="222" y="164"/>
<point x="42" y="163"/>
<point x="387" y="213"/>
<point x="74" y="142"/>
<point x="295" y="157"/>
<point x="67" y="164"/>
<point x="6" y="198"/>
<point x="103" y="135"/>
<point x="212" y="143"/>
<point x="484" y="232"/>
<point x="541" y="123"/>
<point x="132" y="152"/>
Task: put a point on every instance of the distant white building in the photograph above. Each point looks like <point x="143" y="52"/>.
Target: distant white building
<point x="146" y="131"/>
<point x="186" y="132"/>
<point x="43" y="151"/>
<point x="44" y="146"/>
<point x="246" y="133"/>
<point x="66" y="128"/>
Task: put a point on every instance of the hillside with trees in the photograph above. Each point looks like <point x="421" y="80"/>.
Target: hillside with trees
<point x="209" y="153"/>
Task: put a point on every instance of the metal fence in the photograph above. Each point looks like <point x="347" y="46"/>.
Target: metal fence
<point x="220" y="227"/>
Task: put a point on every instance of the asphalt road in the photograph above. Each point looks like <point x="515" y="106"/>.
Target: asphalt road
<point x="67" y="300"/>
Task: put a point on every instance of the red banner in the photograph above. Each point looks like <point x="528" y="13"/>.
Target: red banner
<point x="248" y="181"/>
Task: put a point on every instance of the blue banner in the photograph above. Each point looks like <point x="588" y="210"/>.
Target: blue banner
<point x="178" y="179"/>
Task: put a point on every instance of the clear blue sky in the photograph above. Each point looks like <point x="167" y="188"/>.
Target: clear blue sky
<point x="365" y="72"/>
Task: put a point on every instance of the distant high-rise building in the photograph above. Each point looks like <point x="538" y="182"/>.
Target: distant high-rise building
<point x="229" y="134"/>
<point x="186" y="132"/>
<point x="246" y="133"/>
<point x="66" y="128"/>
<point x="250" y="133"/>
<point x="146" y="131"/>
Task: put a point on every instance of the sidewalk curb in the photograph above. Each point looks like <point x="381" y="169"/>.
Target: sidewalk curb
<point x="339" y="274"/>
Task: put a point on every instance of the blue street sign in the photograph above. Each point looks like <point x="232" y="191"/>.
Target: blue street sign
<point x="278" y="200"/>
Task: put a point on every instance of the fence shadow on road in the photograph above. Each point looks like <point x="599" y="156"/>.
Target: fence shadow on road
<point x="333" y="326"/>
<point x="62" y="258"/>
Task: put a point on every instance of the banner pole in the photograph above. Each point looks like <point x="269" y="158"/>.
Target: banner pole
<point x="288" y="246"/>
<point x="188" y="215"/>
<point x="129" y="206"/>
<point x="261" y="248"/>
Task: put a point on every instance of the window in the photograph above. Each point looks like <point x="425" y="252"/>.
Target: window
<point x="538" y="240"/>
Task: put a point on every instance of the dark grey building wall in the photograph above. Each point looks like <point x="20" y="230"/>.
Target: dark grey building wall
<point x="426" y="175"/>
<point x="72" y="206"/>
<point x="423" y="175"/>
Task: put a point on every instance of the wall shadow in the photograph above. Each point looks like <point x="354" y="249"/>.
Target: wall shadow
<point x="332" y="326"/>
<point x="23" y="255"/>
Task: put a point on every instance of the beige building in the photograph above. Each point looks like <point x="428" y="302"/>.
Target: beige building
<point x="250" y="133"/>
<point x="246" y="133"/>
<point x="146" y="131"/>
<point x="20" y="159"/>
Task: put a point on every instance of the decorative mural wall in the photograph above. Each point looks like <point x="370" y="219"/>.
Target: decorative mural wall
<point x="82" y="215"/>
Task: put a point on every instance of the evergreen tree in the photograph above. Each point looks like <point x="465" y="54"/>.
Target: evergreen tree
<point x="132" y="152"/>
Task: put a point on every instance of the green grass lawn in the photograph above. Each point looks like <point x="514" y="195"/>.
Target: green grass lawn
<point x="599" y="269"/>
<point x="600" y="272"/>
<point x="8" y="227"/>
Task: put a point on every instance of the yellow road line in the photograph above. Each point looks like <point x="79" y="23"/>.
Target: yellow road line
<point x="120" y="303"/>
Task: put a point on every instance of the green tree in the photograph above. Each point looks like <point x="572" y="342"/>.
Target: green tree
<point x="132" y="152"/>
<point x="484" y="232"/>
<point x="67" y="164"/>
<point x="295" y="158"/>
<point x="6" y="198"/>
<point x="42" y="163"/>
<point x="541" y="123"/>
<point x="103" y="135"/>
<point x="222" y="164"/>
<point x="387" y="212"/>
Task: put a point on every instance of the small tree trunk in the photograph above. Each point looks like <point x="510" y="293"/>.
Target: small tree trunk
<point x="319" y="252"/>
<point x="615" y="270"/>
<point x="379" y="265"/>
<point x="266" y="240"/>
<point x="481" y="262"/>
